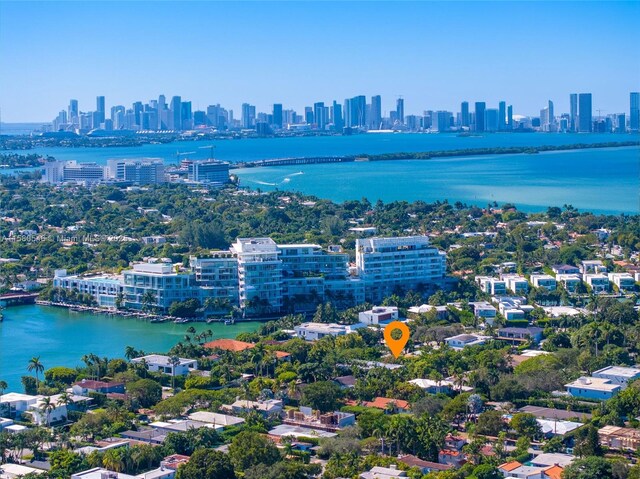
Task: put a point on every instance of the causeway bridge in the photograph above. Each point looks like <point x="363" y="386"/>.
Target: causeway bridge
<point x="17" y="298"/>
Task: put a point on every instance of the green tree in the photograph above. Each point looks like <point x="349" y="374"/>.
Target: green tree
<point x="322" y="395"/>
<point x="250" y="448"/>
<point x="146" y="392"/>
<point x="525" y="424"/>
<point x="490" y="423"/>
<point x="60" y="375"/>
<point x="588" y="468"/>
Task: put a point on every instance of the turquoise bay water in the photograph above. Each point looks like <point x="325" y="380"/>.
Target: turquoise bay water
<point x="264" y="148"/>
<point x="62" y="337"/>
<point x="598" y="180"/>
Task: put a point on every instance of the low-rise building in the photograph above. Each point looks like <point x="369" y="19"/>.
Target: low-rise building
<point x="166" y="365"/>
<point x="599" y="282"/>
<point x="593" y="388"/>
<point x="305" y="417"/>
<point x="516" y="283"/>
<point x="484" y="310"/>
<point x="571" y="282"/>
<point x="433" y="387"/>
<point x="532" y="333"/>
<point x="266" y="408"/>
<point x="86" y="386"/>
<point x="619" y="375"/>
<point x="461" y="341"/>
<point x="315" y="331"/>
<point x="565" y="269"/>
<point x="624" y="281"/>
<point x="543" y="281"/>
<point x="592" y="267"/>
<point x="379" y="315"/>
<point x="379" y="472"/>
<point x="619" y="438"/>
<point x="492" y="286"/>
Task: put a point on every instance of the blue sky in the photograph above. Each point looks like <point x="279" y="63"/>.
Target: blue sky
<point x="433" y="54"/>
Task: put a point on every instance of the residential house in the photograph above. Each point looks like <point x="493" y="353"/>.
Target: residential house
<point x="592" y="267"/>
<point x="433" y="387"/>
<point x="571" y="282"/>
<point x="219" y="421"/>
<point x="415" y="311"/>
<point x="565" y="269"/>
<point x="86" y="386"/>
<point x="516" y="283"/>
<point x="266" y="408"/>
<point x="599" y="282"/>
<point x="389" y="404"/>
<point x="425" y="467"/>
<point x="484" y="310"/>
<point x="620" y="375"/>
<point x="593" y="388"/>
<point x="461" y="341"/>
<point x="378" y="472"/>
<point x="620" y="438"/>
<point x="306" y="417"/>
<point x="315" y="331"/>
<point x="543" y="281"/>
<point x="624" y="281"/>
<point x="492" y="286"/>
<point x="164" y="365"/>
<point x="379" y="315"/>
<point x="531" y="333"/>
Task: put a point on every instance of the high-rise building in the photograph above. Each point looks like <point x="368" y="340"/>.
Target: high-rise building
<point x="502" y="116"/>
<point x="338" y="121"/>
<point x="248" y="116"/>
<point x="621" y="123"/>
<point x="100" y="108"/>
<point x="376" y="112"/>
<point x="480" y="115"/>
<point x="73" y="116"/>
<point x="547" y="119"/>
<point x="137" y="112"/>
<point x="464" y="114"/>
<point x="441" y="121"/>
<point x="491" y="119"/>
<point x="573" y="112"/>
<point x="510" y="117"/>
<point x="585" y="117"/>
<point x="209" y="171"/>
<point x="142" y="171"/>
<point x="634" y="111"/>
<point x="186" y="116"/>
<point x="400" y="110"/>
<point x="357" y="111"/>
<point x="319" y="115"/>
<point x="277" y="115"/>
<point x="175" y="116"/>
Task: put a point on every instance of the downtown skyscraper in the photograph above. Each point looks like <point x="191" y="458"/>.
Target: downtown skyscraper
<point x="634" y="111"/>
<point x="585" y="114"/>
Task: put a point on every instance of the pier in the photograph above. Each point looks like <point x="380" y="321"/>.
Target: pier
<point x="295" y="161"/>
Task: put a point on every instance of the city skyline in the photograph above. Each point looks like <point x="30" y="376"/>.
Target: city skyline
<point x="301" y="54"/>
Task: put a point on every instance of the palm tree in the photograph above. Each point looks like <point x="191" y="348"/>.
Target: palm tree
<point x="3" y="386"/>
<point x="46" y="407"/>
<point x="174" y="361"/>
<point x="64" y="399"/>
<point x="149" y="300"/>
<point x="36" y="366"/>
<point x="119" y="300"/>
<point x="130" y="353"/>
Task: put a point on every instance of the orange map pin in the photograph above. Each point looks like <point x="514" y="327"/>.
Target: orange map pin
<point x="396" y="345"/>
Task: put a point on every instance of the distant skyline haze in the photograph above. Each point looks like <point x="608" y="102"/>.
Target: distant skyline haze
<point x="434" y="54"/>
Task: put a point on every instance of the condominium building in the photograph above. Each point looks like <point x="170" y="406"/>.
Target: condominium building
<point x="571" y="282"/>
<point x="157" y="285"/>
<point x="624" y="281"/>
<point x="218" y="274"/>
<point x="516" y="283"/>
<point x="56" y="172"/>
<point x="259" y="274"/>
<point x="209" y="171"/>
<point x="544" y="281"/>
<point x="492" y="286"/>
<point x="103" y="287"/>
<point x="407" y="263"/>
<point x="143" y="171"/>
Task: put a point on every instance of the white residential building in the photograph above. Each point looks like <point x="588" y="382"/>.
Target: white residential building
<point x="543" y="281"/>
<point x="620" y="375"/>
<point x="516" y="283"/>
<point x="218" y="274"/>
<point x="593" y="388"/>
<point x="162" y="282"/>
<point x="492" y="286"/>
<point x="482" y="309"/>
<point x="259" y="273"/>
<point x="315" y="331"/>
<point x="592" y="266"/>
<point x="599" y="282"/>
<point x="163" y="364"/>
<point x="571" y="282"/>
<point x="103" y="287"/>
<point x="56" y="172"/>
<point x="461" y="341"/>
<point x="140" y="171"/>
<point x="378" y="315"/>
<point x="624" y="281"/>
<point x="406" y="263"/>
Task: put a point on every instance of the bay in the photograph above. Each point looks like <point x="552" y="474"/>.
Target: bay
<point x="598" y="180"/>
<point x="61" y="337"/>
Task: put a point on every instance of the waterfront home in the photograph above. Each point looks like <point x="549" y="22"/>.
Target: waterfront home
<point x="620" y="375"/>
<point x="531" y="333"/>
<point x="593" y="388"/>
<point x="164" y="364"/>
<point x="619" y="438"/>
<point x="571" y="282"/>
<point x="12" y="405"/>
<point x="15" y="471"/>
<point x="86" y="386"/>
<point x="624" y="281"/>
<point x="544" y="281"/>
<point x="379" y="315"/>
<point x="599" y="282"/>
<point x="461" y="341"/>
<point x="232" y="345"/>
<point x="315" y="331"/>
<point x="104" y="288"/>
